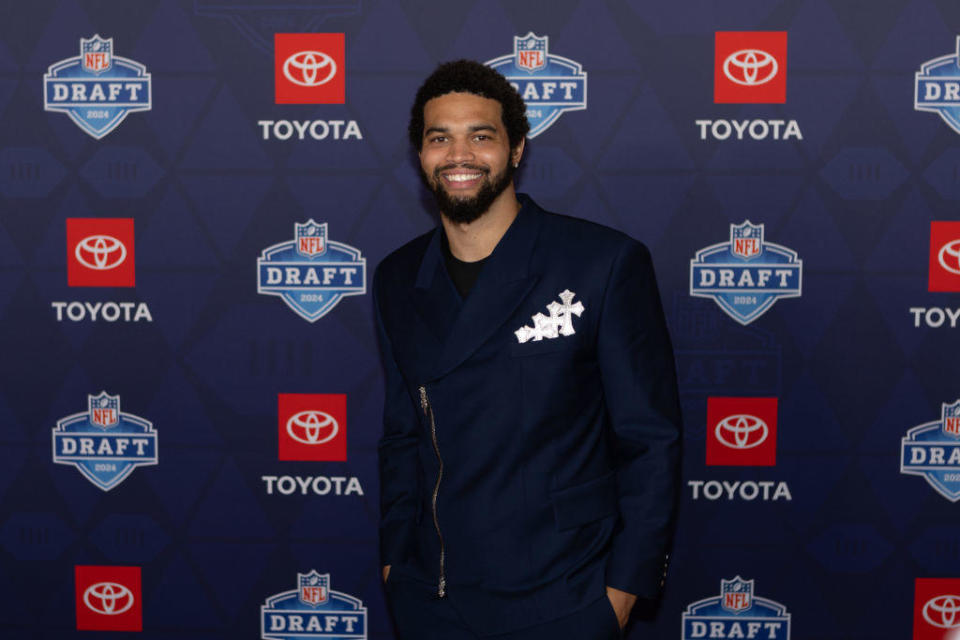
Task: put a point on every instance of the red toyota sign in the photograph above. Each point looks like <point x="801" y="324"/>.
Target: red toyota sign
<point x="936" y="608"/>
<point x="742" y="432"/>
<point x="750" y="67"/>
<point x="309" y="68"/>
<point x="312" y="426"/>
<point x="944" y="256"/>
<point x="100" y="252"/>
<point x="108" y="598"/>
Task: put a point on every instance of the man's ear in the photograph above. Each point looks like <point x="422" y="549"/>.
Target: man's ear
<point x="517" y="152"/>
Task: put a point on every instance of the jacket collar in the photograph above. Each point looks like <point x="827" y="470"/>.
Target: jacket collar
<point x="506" y="278"/>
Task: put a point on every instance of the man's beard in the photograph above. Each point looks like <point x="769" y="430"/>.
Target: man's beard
<point x="466" y="210"/>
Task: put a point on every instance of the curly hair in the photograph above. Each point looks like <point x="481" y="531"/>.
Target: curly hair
<point x="468" y="76"/>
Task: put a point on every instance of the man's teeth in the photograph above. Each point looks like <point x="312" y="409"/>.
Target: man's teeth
<point x="461" y="177"/>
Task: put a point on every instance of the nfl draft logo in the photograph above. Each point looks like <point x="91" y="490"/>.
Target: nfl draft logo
<point x="310" y="272"/>
<point x="104" y="443"/>
<point x="736" y="613"/>
<point x="97" y="54"/>
<point x="549" y="84"/>
<point x="737" y="594"/>
<point x="97" y="89"/>
<point x="313" y="610"/>
<point x="314" y="587"/>
<point x="531" y="52"/>
<point x="937" y="88"/>
<point x="746" y="275"/>
<point x="932" y="450"/>
<point x="311" y="238"/>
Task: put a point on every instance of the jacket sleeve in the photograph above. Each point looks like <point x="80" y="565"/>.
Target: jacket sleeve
<point x="640" y="390"/>
<point x="397" y="451"/>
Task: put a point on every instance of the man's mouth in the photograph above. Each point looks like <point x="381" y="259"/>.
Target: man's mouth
<point x="461" y="177"/>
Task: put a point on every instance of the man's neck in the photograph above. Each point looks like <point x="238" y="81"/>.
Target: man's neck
<point x="476" y="240"/>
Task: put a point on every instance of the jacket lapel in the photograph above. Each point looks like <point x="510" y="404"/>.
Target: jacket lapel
<point x="434" y="296"/>
<point x="503" y="283"/>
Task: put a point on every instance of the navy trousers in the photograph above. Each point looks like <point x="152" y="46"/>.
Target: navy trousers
<point x="419" y="615"/>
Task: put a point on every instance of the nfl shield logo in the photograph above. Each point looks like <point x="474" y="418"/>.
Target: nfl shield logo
<point x="951" y="419"/>
<point x="314" y="587"/>
<point x="530" y="52"/>
<point x="746" y="240"/>
<point x="96" y="54"/>
<point x="736" y="595"/>
<point x="311" y="239"/>
<point x="104" y="410"/>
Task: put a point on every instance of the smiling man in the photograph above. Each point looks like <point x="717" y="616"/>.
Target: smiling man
<point x="529" y="461"/>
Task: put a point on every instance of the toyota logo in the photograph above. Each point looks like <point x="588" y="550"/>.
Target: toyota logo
<point x="306" y="427"/>
<point x="108" y="598"/>
<point x="741" y="431"/>
<point x="943" y="611"/>
<point x="307" y="68"/>
<point x="949" y="256"/>
<point x="100" y="252"/>
<point x="750" y="67"/>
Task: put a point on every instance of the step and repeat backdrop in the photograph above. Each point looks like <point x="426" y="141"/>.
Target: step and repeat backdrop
<point x="194" y="195"/>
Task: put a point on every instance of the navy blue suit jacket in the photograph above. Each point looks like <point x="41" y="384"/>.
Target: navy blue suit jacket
<point x="560" y="455"/>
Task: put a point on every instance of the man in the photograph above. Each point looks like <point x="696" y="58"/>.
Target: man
<point x="529" y="461"/>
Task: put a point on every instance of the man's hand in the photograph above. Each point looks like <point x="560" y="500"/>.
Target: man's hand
<point x="622" y="604"/>
<point x="386" y="574"/>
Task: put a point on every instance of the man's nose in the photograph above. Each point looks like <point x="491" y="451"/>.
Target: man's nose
<point x="459" y="151"/>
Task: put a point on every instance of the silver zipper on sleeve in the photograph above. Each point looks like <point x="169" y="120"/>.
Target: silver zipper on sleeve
<point x="428" y="411"/>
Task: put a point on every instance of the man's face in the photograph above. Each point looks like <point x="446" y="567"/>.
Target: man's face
<point x="466" y="158"/>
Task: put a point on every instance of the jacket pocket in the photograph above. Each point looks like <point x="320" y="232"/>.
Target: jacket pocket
<point x="546" y="345"/>
<point x="586" y="502"/>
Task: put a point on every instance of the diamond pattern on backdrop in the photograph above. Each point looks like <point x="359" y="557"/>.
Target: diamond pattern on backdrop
<point x="850" y="548"/>
<point x="129" y="538"/>
<point x="646" y="139"/>
<point x="819" y="43"/>
<point x="29" y="172"/>
<point x="170" y="30"/>
<point x="703" y="16"/>
<point x="236" y="198"/>
<point x="943" y="174"/>
<point x="934" y="549"/>
<point x="178" y="579"/>
<point x="859" y="173"/>
<point x="121" y="172"/>
<point x="215" y="558"/>
<point x="229" y="499"/>
<point x="366" y="53"/>
<point x="190" y="474"/>
<point x="226" y="120"/>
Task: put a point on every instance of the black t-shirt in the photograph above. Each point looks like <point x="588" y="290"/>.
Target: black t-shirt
<point x="463" y="274"/>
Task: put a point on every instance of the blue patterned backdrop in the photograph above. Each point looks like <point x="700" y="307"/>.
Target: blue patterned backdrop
<point x="215" y="172"/>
